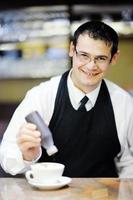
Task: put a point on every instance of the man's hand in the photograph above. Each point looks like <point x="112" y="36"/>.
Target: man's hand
<point x="29" y="141"/>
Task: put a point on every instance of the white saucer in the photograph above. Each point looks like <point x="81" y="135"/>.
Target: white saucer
<point x="60" y="183"/>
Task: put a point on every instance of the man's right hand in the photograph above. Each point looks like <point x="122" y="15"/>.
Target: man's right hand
<point x="29" y="141"/>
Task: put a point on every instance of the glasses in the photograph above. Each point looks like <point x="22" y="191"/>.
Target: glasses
<point x="86" y="58"/>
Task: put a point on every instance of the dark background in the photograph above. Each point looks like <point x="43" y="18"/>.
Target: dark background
<point x="23" y="3"/>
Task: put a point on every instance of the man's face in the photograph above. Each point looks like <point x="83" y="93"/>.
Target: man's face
<point x="90" y="61"/>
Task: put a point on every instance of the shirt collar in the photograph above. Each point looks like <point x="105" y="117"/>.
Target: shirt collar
<point x="76" y="94"/>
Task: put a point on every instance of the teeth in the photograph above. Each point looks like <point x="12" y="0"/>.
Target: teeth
<point x="90" y="74"/>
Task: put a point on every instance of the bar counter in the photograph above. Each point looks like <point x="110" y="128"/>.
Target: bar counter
<point x="78" y="189"/>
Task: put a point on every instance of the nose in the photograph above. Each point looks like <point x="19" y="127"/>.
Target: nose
<point x="91" y="65"/>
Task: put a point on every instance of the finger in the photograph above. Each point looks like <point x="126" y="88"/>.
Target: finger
<point x="28" y="138"/>
<point x="26" y="130"/>
<point x="32" y="133"/>
<point x="29" y="146"/>
<point x="29" y="126"/>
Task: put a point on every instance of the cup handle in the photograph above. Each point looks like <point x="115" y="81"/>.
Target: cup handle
<point x="29" y="175"/>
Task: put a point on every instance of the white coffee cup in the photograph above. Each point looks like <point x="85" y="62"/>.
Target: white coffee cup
<point x="45" y="172"/>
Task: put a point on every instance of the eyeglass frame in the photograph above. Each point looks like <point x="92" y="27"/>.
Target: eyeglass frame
<point x="89" y="59"/>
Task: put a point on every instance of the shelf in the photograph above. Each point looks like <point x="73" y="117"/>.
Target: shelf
<point x="35" y="40"/>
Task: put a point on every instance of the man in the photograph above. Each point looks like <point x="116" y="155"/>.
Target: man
<point x="94" y="140"/>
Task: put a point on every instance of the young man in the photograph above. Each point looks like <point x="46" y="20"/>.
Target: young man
<point x="93" y="141"/>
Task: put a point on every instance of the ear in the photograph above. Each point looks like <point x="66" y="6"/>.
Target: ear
<point x="71" y="49"/>
<point x="115" y="57"/>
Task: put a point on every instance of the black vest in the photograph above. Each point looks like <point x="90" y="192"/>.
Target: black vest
<point x="87" y="141"/>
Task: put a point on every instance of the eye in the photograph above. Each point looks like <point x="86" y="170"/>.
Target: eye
<point x="101" y="59"/>
<point x="84" y="56"/>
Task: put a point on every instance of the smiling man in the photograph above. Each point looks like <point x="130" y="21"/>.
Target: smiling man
<point x="91" y="118"/>
<point x="93" y="50"/>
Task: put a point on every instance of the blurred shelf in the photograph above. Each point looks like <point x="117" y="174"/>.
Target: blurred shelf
<point x="34" y="41"/>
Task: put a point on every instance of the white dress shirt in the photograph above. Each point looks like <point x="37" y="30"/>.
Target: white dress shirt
<point x="42" y="99"/>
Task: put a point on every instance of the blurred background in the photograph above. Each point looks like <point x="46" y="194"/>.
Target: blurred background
<point x="34" y="42"/>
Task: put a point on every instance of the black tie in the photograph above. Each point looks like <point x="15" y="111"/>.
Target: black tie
<point x="83" y="102"/>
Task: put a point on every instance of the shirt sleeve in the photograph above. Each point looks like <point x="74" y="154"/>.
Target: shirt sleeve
<point x="40" y="98"/>
<point x="124" y="161"/>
